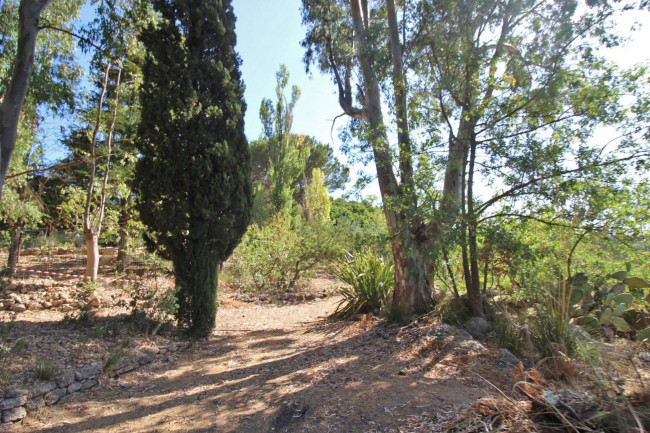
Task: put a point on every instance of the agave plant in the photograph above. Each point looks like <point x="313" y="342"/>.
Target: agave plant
<point x="369" y="282"/>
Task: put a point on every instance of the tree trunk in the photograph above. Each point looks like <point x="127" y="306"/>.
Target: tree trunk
<point x="122" y="244"/>
<point x="29" y="15"/>
<point x="412" y="292"/>
<point x="14" y="248"/>
<point x="92" y="254"/>
<point x="196" y="270"/>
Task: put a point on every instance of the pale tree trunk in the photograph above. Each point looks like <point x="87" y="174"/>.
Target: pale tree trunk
<point x="92" y="229"/>
<point x="92" y="254"/>
<point x="29" y="15"/>
<point x="412" y="293"/>
<point x="14" y="248"/>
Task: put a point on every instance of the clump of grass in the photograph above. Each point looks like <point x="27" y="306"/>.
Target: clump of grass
<point x="370" y="281"/>
<point x="113" y="358"/>
<point x="45" y="369"/>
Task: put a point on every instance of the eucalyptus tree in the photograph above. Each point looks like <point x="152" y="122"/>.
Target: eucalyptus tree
<point x="517" y="89"/>
<point x="346" y="39"/>
<point x="54" y="74"/>
<point x="193" y="177"/>
<point x="508" y="89"/>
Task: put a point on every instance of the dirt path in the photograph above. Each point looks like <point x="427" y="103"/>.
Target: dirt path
<point x="270" y="368"/>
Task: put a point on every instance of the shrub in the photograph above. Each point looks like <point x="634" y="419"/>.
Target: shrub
<point x="370" y="281"/>
<point x="277" y="255"/>
<point x="156" y="306"/>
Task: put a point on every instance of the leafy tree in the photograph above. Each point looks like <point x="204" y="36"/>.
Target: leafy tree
<point x="287" y="153"/>
<point x="510" y="90"/>
<point x="194" y="176"/>
<point x="54" y="76"/>
<point x="317" y="199"/>
<point x="15" y="89"/>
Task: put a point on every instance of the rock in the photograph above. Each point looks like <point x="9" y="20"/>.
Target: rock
<point x="34" y="306"/>
<point x="507" y="358"/>
<point x="87" y="372"/>
<point x="35" y="404"/>
<point x="645" y="356"/>
<point x="144" y="359"/>
<point x="444" y="331"/>
<point x="74" y="387"/>
<point x="66" y="307"/>
<point x="42" y="388"/>
<point x="13" y="415"/>
<point x="47" y="304"/>
<point x="65" y="380"/>
<point x="472" y="345"/>
<point x="66" y="398"/>
<point x="170" y="359"/>
<point x="125" y="369"/>
<point x="11" y="403"/>
<point x="56" y="303"/>
<point x="18" y="308"/>
<point x="89" y="384"/>
<point x="16" y="393"/>
<point x="478" y="327"/>
<point x="54" y="396"/>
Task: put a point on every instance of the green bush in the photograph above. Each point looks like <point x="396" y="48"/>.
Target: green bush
<point x="281" y="251"/>
<point x="370" y="281"/>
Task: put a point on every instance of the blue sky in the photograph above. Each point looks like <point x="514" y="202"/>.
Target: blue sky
<point x="268" y="35"/>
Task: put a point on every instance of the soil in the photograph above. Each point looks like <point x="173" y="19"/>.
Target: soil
<point x="273" y="364"/>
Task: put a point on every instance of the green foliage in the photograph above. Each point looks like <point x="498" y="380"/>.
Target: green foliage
<point x="369" y="280"/>
<point x="45" y="369"/>
<point x="507" y="335"/>
<point x="317" y="200"/>
<point x="279" y="253"/>
<point x="153" y="304"/>
<point x="362" y="224"/>
<point x="194" y="175"/>
<point x="454" y="311"/>
<point x="287" y="153"/>
<point x="113" y="359"/>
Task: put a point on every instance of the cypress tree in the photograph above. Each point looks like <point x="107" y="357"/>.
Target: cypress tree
<point x="193" y="176"/>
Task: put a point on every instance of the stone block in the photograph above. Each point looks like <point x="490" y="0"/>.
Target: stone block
<point x="13" y="415"/>
<point x="54" y="396"/>
<point x="74" y="387"/>
<point x="89" y="383"/>
<point x="65" y="380"/>
<point x="35" y="404"/>
<point x="12" y="403"/>
<point x="16" y="392"/>
<point x="42" y="388"/>
<point x="87" y="372"/>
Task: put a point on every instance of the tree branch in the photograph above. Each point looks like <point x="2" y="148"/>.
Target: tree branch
<point x="516" y="188"/>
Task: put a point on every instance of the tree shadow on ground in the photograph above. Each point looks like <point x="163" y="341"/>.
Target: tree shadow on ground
<point x="324" y="376"/>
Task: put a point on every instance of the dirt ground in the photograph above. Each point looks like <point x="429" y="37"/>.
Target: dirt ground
<point x="281" y="366"/>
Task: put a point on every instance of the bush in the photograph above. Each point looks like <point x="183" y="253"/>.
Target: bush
<point x="155" y="306"/>
<point x="370" y="281"/>
<point x="276" y="255"/>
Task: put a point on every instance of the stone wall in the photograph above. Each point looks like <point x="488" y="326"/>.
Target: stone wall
<point x="16" y="403"/>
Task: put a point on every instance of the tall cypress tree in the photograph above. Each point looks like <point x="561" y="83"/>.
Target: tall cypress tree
<point x="193" y="177"/>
